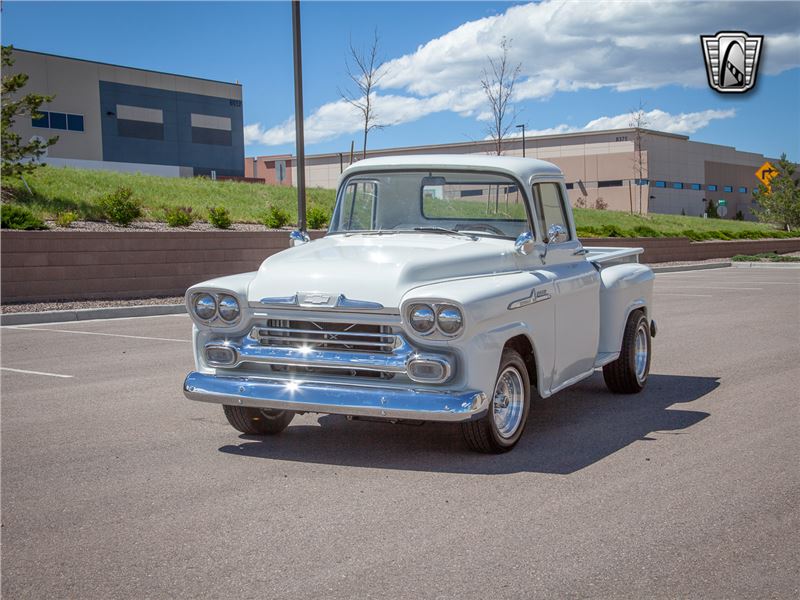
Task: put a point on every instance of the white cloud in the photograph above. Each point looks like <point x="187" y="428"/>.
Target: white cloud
<point x="563" y="47"/>
<point x="660" y="120"/>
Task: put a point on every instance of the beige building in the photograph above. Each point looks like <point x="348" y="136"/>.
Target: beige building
<point x="126" y="119"/>
<point x="678" y="175"/>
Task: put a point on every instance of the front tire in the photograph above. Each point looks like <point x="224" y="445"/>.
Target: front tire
<point x="257" y="421"/>
<point x="628" y="374"/>
<point x="501" y="428"/>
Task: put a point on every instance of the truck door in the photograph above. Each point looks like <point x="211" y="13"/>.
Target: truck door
<point x="576" y="285"/>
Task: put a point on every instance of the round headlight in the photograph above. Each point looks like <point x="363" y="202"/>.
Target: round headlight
<point x="422" y="318"/>
<point x="228" y="308"/>
<point x="205" y="306"/>
<point x="450" y="319"/>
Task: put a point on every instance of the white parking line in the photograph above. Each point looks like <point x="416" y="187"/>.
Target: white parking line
<point x="678" y="294"/>
<point x="36" y="372"/>
<point x="739" y="281"/>
<point x="119" y="335"/>
<point x="711" y="287"/>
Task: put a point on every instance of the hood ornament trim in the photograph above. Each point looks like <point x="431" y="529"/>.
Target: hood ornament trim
<point x="319" y="300"/>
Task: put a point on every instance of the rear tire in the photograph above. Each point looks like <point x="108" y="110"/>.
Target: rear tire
<point x="257" y="421"/>
<point x="502" y="426"/>
<point x="628" y="374"/>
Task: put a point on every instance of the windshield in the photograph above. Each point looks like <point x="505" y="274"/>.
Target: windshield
<point x="431" y="201"/>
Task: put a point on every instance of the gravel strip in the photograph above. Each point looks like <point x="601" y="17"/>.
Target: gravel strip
<point x="75" y="305"/>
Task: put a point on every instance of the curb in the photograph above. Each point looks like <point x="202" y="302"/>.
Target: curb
<point x="87" y="314"/>
<point x="699" y="267"/>
<point x="765" y="265"/>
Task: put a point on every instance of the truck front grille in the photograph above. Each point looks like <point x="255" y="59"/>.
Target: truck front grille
<point x="324" y="335"/>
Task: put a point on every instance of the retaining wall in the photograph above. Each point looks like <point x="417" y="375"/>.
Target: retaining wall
<point x="46" y="266"/>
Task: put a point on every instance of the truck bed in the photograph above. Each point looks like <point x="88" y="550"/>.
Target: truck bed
<point x="606" y="256"/>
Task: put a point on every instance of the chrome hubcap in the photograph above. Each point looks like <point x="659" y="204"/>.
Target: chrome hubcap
<point x="508" y="402"/>
<point x="641" y="351"/>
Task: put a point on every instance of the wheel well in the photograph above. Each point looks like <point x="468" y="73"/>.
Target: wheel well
<point x="523" y="346"/>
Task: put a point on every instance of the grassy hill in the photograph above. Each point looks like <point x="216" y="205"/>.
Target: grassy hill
<point x="56" y="190"/>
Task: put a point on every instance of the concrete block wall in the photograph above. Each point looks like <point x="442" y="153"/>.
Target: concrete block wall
<point x="41" y="266"/>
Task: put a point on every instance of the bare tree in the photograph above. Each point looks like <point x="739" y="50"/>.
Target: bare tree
<point x="365" y="70"/>
<point x="498" y="83"/>
<point x="638" y="120"/>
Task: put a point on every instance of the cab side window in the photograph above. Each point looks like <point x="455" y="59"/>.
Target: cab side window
<point x="550" y="209"/>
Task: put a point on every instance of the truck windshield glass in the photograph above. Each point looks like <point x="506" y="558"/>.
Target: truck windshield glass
<point x="481" y="204"/>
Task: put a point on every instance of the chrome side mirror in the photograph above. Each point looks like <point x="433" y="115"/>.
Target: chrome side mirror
<point x="556" y="234"/>
<point x="524" y="243"/>
<point x="298" y="238"/>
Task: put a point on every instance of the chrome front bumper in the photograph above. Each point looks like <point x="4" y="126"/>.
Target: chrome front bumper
<point x="342" y="399"/>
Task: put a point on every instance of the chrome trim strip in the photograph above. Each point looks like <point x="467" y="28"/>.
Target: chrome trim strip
<point x="309" y="396"/>
<point x="342" y="301"/>
<point x="280" y="300"/>
<point x="534" y="297"/>
<point x="345" y="302"/>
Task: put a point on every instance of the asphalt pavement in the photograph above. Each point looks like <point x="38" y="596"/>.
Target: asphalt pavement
<point x="115" y="486"/>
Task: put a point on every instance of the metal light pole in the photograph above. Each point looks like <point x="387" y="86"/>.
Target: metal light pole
<point x="523" y="138"/>
<point x="298" y="117"/>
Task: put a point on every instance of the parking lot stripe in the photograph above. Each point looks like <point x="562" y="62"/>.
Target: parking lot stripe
<point x="679" y="294"/>
<point x="711" y="287"/>
<point x="36" y="372"/>
<point x="119" y="335"/>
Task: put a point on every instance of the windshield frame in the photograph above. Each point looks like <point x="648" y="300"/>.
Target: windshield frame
<point x="371" y="177"/>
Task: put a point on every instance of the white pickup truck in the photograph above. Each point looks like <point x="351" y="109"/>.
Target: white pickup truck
<point x="448" y="288"/>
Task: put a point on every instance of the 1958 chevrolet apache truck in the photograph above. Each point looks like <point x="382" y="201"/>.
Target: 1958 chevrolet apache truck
<point x="445" y="289"/>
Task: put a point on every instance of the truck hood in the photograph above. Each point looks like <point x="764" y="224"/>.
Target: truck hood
<point x="376" y="268"/>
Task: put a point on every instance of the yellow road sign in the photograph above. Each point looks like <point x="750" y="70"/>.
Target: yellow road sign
<point x="765" y="174"/>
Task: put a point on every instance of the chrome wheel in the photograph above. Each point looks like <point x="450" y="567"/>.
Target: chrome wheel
<point x="641" y="351"/>
<point x="508" y="402"/>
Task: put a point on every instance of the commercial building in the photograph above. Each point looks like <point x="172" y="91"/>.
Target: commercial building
<point x="126" y="119"/>
<point x="678" y="175"/>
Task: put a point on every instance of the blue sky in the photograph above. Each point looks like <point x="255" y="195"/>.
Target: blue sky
<point x="584" y="64"/>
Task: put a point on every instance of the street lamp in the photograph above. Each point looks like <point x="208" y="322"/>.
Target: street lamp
<point x="523" y="138"/>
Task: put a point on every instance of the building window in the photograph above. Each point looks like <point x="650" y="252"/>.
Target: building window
<point x="696" y="186"/>
<point x="75" y="122"/>
<point x="677" y="185"/>
<point x="42" y="121"/>
<point x="742" y="190"/>
<point x="661" y="184"/>
<point x="58" y="120"/>
<point x="728" y="188"/>
<point x="641" y="181"/>
<point x="711" y="188"/>
<point x="570" y="186"/>
<point x="610" y="183"/>
<point x="210" y="129"/>
<point x="140" y="122"/>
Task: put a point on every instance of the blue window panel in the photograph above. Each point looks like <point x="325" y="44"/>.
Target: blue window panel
<point x="570" y="186"/>
<point x="696" y="186"/>
<point x="711" y="188"/>
<point x="742" y="190"/>
<point x="727" y="188"/>
<point x="43" y="121"/>
<point x="642" y="181"/>
<point x="75" y="122"/>
<point x="677" y="185"/>
<point x="58" y="120"/>
<point x="661" y="184"/>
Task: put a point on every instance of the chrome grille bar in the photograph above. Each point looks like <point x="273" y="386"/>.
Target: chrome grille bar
<point x="354" y="337"/>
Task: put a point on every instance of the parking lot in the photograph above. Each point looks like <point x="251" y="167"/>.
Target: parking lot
<point x="115" y="486"/>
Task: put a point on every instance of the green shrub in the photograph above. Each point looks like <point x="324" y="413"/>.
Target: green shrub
<point x="65" y="219"/>
<point x="14" y="216"/>
<point x="179" y="216"/>
<point x="119" y="207"/>
<point x="645" y="231"/>
<point x="219" y="217"/>
<point x="613" y="231"/>
<point x="739" y="216"/>
<point x="317" y="217"/>
<point x="276" y="217"/>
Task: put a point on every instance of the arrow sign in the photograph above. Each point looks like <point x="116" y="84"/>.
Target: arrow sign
<point x="766" y="173"/>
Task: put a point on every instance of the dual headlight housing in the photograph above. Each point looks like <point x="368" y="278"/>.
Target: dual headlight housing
<point x="432" y="318"/>
<point x="217" y="308"/>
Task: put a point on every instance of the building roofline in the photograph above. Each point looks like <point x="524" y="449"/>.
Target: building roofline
<point x="98" y="62"/>
<point x="432" y="148"/>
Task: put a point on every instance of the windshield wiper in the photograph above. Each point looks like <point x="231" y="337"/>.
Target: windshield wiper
<point x="471" y="236"/>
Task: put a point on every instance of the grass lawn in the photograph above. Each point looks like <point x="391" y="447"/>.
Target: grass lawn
<point x="766" y="257"/>
<point x="56" y="190"/>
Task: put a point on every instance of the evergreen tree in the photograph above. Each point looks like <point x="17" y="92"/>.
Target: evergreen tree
<point x="781" y="203"/>
<point x="19" y="157"/>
